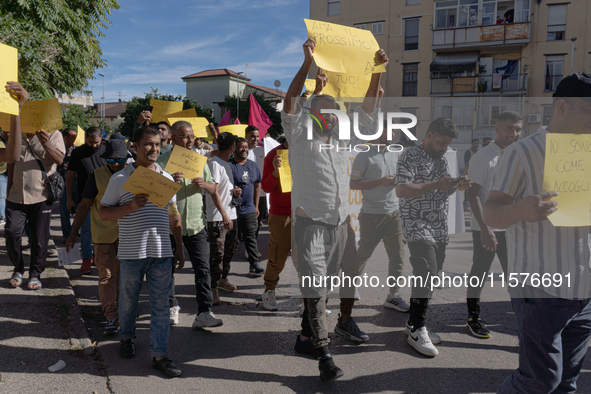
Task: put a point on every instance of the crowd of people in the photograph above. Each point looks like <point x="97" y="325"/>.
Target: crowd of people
<point x="404" y="202"/>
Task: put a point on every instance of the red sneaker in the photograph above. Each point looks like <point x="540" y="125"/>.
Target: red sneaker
<point x="86" y="267"/>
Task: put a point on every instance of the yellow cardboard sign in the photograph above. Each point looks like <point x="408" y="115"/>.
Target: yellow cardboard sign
<point x="236" y="129"/>
<point x="352" y="86"/>
<point x="159" y="188"/>
<point x="187" y="161"/>
<point x="162" y="108"/>
<point x="8" y="72"/>
<point x="80" y="137"/>
<point x="188" y="113"/>
<point x="199" y="125"/>
<point x="310" y="85"/>
<point x="41" y="115"/>
<point x="567" y="170"/>
<point x="285" y="171"/>
<point x="344" y="49"/>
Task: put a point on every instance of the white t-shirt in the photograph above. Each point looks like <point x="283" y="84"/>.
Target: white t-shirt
<point x="258" y="156"/>
<point x="222" y="175"/>
<point x="481" y="171"/>
<point x="142" y="233"/>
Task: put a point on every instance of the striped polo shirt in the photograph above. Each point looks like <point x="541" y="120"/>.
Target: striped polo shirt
<point x="540" y="247"/>
<point x="142" y="233"/>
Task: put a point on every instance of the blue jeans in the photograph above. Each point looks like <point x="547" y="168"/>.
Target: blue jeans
<point x="3" y="186"/>
<point x="86" y="238"/>
<point x="65" y="216"/>
<point x="553" y="337"/>
<point x="158" y="277"/>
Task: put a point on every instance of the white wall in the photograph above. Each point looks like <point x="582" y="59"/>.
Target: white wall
<point x="206" y="91"/>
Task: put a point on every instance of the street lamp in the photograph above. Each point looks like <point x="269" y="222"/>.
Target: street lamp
<point x="103" y="100"/>
<point x="572" y="59"/>
<point x="238" y="95"/>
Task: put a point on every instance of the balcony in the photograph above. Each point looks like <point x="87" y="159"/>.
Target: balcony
<point x="478" y="36"/>
<point x="491" y="85"/>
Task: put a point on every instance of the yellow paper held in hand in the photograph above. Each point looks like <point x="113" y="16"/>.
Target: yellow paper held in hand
<point x="187" y="161"/>
<point x="567" y="170"/>
<point x="284" y="171"/>
<point x="344" y="49"/>
<point x="80" y="137"/>
<point x="162" y="108"/>
<point x="188" y="113"/>
<point x="8" y="72"/>
<point x="199" y="125"/>
<point x="350" y="86"/>
<point x="310" y="85"/>
<point x="41" y="115"/>
<point x="236" y="129"/>
<point x="159" y="188"/>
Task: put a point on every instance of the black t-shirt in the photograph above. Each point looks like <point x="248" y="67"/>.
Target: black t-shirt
<point x="84" y="160"/>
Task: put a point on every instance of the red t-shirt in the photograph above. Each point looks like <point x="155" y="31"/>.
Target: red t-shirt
<point x="280" y="202"/>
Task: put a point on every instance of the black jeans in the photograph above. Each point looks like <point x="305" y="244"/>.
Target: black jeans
<point x="248" y="225"/>
<point x="198" y="249"/>
<point x="481" y="261"/>
<point x="426" y="259"/>
<point x="39" y="217"/>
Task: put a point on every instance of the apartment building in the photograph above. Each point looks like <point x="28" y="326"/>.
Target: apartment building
<point x="471" y="59"/>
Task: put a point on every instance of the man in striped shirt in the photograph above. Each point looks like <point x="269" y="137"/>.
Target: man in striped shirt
<point x="144" y="249"/>
<point x="553" y="322"/>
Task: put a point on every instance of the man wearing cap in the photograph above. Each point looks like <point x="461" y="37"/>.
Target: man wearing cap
<point x="105" y="234"/>
<point x="221" y="233"/>
<point x="553" y="322"/>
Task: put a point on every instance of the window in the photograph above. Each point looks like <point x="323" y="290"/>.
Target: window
<point x="360" y="26"/>
<point x="334" y="7"/>
<point x="410" y="77"/>
<point x="556" y="22"/>
<point x="554" y="70"/>
<point x="411" y="34"/>
<point x="489" y="12"/>
<point x="413" y="2"/>
<point x="377" y="28"/>
<point x="522" y="11"/>
<point x="456" y="13"/>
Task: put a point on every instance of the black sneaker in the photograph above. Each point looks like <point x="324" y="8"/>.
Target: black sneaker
<point x="256" y="270"/>
<point x="127" y="348"/>
<point x="477" y="327"/>
<point x="350" y="330"/>
<point x="328" y="370"/>
<point x="166" y="366"/>
<point x="305" y="347"/>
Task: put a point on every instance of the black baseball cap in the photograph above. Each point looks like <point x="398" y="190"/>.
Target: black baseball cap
<point x="576" y="85"/>
<point x="115" y="149"/>
<point x="226" y="140"/>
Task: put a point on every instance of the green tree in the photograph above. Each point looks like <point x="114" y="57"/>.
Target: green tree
<point x="275" y="131"/>
<point x="138" y="104"/>
<point x="57" y="41"/>
<point x="75" y="115"/>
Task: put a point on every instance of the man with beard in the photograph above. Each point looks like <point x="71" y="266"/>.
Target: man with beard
<point x="320" y="200"/>
<point x="84" y="160"/>
<point x="423" y="185"/>
<point x="487" y="241"/>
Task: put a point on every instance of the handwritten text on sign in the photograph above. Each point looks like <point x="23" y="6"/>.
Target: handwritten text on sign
<point x="352" y="86"/>
<point x="344" y="49"/>
<point x="8" y="72"/>
<point x="159" y="188"/>
<point x="285" y="171"/>
<point x="187" y="161"/>
<point x="568" y="171"/>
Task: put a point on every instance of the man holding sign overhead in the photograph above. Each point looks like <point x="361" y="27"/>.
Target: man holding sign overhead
<point x="144" y="245"/>
<point x="548" y="266"/>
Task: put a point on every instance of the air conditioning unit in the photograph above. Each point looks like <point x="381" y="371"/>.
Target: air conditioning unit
<point x="535" y="118"/>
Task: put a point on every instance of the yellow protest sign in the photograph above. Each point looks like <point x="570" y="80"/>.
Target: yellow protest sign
<point x="187" y="161"/>
<point x="236" y="129"/>
<point x="8" y="72"/>
<point x="159" y="188"/>
<point x="5" y="121"/>
<point x="310" y="85"/>
<point x="284" y="171"/>
<point x="567" y="170"/>
<point x="344" y="49"/>
<point x="199" y="125"/>
<point x="41" y="115"/>
<point x="80" y="137"/>
<point x="352" y="86"/>
<point x="188" y="113"/>
<point x="162" y="108"/>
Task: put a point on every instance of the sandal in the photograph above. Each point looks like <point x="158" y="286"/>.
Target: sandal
<point x="18" y="277"/>
<point x="34" y="284"/>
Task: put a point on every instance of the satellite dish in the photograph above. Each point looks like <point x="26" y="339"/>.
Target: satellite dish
<point x="277" y="83"/>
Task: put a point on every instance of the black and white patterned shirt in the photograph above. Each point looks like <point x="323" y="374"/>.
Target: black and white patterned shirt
<point x="424" y="217"/>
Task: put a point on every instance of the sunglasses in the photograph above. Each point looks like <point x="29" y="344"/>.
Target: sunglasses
<point x="118" y="161"/>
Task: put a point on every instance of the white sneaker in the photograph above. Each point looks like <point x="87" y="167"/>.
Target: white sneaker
<point x="301" y="310"/>
<point x="436" y="339"/>
<point x="206" y="319"/>
<point x="421" y="342"/>
<point x="356" y="296"/>
<point x="396" y="302"/>
<point x="174" y="315"/>
<point x="269" y="302"/>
